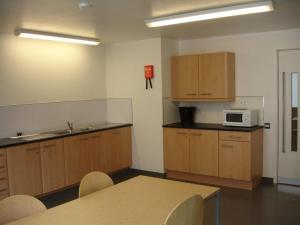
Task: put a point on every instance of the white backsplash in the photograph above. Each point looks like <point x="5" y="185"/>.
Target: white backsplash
<point x="211" y="112"/>
<point x="31" y="118"/>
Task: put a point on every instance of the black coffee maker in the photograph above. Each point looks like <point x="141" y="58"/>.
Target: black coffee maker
<point x="187" y="115"/>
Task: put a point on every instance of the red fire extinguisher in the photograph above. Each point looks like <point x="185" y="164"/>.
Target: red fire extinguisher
<point x="149" y="74"/>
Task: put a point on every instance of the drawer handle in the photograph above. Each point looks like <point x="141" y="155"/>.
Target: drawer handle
<point x="227" y="146"/>
<point x="197" y="134"/>
<point x="49" y="146"/>
<point x="3" y="178"/>
<point x="206" y="94"/>
<point x="2" y="167"/>
<point x="32" y="149"/>
<point x="182" y="133"/>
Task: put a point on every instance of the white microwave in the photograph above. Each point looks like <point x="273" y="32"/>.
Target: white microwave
<point x="240" y="117"/>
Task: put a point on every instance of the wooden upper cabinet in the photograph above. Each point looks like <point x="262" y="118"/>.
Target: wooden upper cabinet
<point x="184" y="76"/>
<point x="100" y="151"/>
<point x="205" y="77"/>
<point x="53" y="165"/>
<point x="77" y="158"/>
<point x="120" y="155"/>
<point x="204" y="157"/>
<point x="24" y="169"/>
<point x="176" y="149"/>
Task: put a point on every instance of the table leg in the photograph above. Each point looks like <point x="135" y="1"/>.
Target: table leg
<point x="218" y="208"/>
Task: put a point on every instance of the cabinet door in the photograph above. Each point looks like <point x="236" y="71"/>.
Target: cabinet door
<point x="24" y="169"/>
<point x="77" y="158"/>
<point x="120" y="149"/>
<point x="216" y="76"/>
<point x="234" y="160"/>
<point x="184" y="77"/>
<point x="176" y="149"/>
<point x="4" y="192"/>
<point x="100" y="151"/>
<point x="204" y="158"/>
<point x="53" y="165"/>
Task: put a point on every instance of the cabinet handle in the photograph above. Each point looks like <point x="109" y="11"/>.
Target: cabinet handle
<point x="2" y="179"/>
<point x="234" y="137"/>
<point x="206" y="94"/>
<point x="49" y="146"/>
<point x="191" y="94"/>
<point x="2" y="167"/>
<point x="227" y="146"/>
<point x="32" y="149"/>
<point x="197" y="134"/>
<point x="182" y="133"/>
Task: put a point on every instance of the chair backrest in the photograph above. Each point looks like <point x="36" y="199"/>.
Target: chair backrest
<point x="19" y="206"/>
<point x="188" y="212"/>
<point x="94" y="181"/>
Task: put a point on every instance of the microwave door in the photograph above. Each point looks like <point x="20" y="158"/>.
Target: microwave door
<point x="234" y="118"/>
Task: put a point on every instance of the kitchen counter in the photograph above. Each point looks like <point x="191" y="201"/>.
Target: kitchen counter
<point x="212" y="126"/>
<point x="8" y="142"/>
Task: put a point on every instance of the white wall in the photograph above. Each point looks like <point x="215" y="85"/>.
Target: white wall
<point x="256" y="74"/>
<point x="125" y="79"/>
<point x="33" y="71"/>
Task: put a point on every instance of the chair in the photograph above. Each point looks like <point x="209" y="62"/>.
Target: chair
<point x="94" y="181"/>
<point x="19" y="206"/>
<point x="188" y="212"/>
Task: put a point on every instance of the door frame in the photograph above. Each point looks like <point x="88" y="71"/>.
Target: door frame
<point x="278" y="116"/>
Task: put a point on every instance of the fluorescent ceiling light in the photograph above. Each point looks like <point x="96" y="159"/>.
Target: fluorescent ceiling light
<point x="257" y="7"/>
<point x="56" y="37"/>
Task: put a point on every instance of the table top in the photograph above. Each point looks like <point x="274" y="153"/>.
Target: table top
<point x="139" y="201"/>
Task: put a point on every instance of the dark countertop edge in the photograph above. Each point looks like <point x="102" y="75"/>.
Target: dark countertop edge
<point x="23" y="142"/>
<point x="213" y="126"/>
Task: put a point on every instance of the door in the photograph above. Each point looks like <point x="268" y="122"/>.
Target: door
<point x="204" y="158"/>
<point x="53" y="165"/>
<point x="24" y="169"/>
<point x="100" y="151"/>
<point x="119" y="149"/>
<point x="235" y="160"/>
<point x="184" y="77"/>
<point x="176" y="149"/>
<point x="77" y="158"/>
<point x="289" y="121"/>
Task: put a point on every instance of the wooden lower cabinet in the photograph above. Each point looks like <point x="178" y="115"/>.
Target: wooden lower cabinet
<point x="100" y="151"/>
<point x="176" y="149"/>
<point x="24" y="169"/>
<point x="77" y="150"/>
<point x="203" y="145"/>
<point x="4" y="191"/>
<point x="119" y="156"/>
<point x="223" y="158"/>
<point x="53" y="165"/>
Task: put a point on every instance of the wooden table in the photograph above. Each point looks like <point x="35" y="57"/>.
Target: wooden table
<point x="139" y="201"/>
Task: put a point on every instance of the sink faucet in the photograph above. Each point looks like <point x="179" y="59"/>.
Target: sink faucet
<point x="70" y="125"/>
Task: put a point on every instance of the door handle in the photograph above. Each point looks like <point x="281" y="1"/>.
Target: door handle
<point x="283" y="112"/>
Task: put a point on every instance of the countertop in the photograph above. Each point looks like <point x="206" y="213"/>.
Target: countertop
<point x="9" y="142"/>
<point x="212" y="126"/>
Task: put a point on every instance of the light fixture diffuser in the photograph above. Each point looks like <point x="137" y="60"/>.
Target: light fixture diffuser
<point x="243" y="9"/>
<point x="56" y="37"/>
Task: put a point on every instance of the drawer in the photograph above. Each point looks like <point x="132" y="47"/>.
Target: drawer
<point x="235" y="136"/>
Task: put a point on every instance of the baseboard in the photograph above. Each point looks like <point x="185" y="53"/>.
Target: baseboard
<point x="147" y="173"/>
<point x="267" y="180"/>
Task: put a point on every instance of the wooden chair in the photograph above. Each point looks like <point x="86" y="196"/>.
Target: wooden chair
<point x="94" y="181"/>
<point x="19" y="206"/>
<point x="188" y="212"/>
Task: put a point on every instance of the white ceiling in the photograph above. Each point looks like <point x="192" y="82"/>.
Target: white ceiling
<point x="123" y="20"/>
